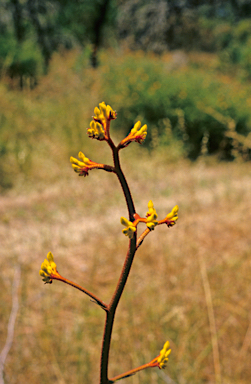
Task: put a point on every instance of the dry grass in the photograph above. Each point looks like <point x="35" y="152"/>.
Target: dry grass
<point x="189" y="284"/>
<point x="58" y="331"/>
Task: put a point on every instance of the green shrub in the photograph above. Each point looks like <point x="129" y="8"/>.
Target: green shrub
<point x="196" y="103"/>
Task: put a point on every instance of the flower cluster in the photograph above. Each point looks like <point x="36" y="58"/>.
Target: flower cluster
<point x="99" y="126"/>
<point x="150" y="220"/>
<point x="130" y="228"/>
<point x="82" y="167"/>
<point x="163" y="357"/>
<point x="137" y="134"/>
<point x="172" y="217"/>
<point x="96" y="131"/>
<point x="151" y="216"/>
<point x="48" y="269"/>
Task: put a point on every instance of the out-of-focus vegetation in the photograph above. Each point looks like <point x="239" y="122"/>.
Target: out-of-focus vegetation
<point x="203" y="105"/>
<point x="197" y="106"/>
<point x="32" y="30"/>
<point x="188" y="105"/>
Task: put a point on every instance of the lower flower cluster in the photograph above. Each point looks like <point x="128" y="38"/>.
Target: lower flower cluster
<point x="150" y="220"/>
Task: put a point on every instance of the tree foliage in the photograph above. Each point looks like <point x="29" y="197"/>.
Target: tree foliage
<point x="31" y="30"/>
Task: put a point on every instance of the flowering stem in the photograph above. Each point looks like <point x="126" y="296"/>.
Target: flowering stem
<point x="111" y="309"/>
<point x="94" y="297"/>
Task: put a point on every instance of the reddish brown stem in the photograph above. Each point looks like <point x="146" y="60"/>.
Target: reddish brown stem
<point x="88" y="293"/>
<point x="111" y="309"/>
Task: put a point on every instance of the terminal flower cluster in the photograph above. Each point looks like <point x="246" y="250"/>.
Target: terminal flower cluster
<point x="99" y="126"/>
<point x="48" y="269"/>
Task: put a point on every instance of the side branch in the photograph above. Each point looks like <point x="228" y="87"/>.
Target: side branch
<point x="84" y="290"/>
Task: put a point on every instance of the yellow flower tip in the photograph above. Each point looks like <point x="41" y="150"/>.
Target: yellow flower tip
<point x="163" y="357"/>
<point x="50" y="257"/>
<point x="96" y="111"/>
<point x="85" y="160"/>
<point x="110" y="113"/>
<point x="102" y="108"/>
<point x="125" y="222"/>
<point x="136" y="128"/>
<point x="73" y="160"/>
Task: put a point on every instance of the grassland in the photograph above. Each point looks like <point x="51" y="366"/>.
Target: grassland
<point x="187" y="282"/>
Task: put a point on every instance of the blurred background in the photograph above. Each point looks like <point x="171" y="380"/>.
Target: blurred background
<point x="184" y="69"/>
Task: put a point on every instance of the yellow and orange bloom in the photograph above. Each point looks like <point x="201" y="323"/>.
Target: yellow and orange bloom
<point x="130" y="228"/>
<point x="137" y="134"/>
<point x="48" y="269"/>
<point x="163" y="357"/>
<point x="82" y="167"/>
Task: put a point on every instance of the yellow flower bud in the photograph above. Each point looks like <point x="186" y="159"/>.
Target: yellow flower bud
<point x="173" y="215"/>
<point x="136" y="128"/>
<point x="164" y="353"/>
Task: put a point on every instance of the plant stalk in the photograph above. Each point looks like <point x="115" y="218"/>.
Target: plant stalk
<point x="111" y="309"/>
